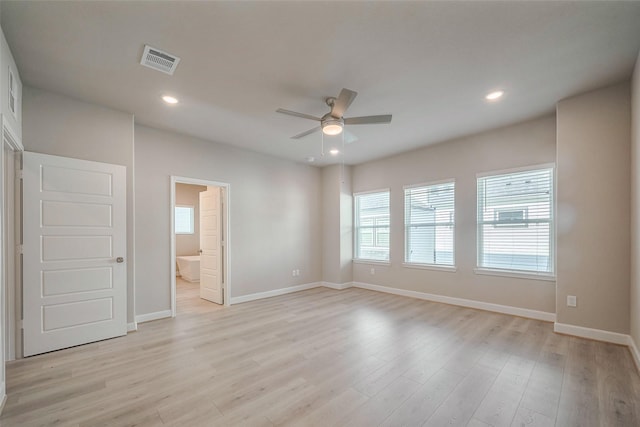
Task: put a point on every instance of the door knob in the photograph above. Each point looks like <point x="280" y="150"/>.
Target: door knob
<point x="119" y="260"/>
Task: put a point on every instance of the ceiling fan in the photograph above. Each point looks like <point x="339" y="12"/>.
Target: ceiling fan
<point x="333" y="122"/>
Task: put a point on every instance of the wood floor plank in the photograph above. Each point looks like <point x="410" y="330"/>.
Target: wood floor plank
<point x="427" y="398"/>
<point x="327" y="357"/>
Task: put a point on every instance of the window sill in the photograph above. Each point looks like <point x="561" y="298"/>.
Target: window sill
<point x="370" y="261"/>
<point x="447" y="268"/>
<point x="515" y="274"/>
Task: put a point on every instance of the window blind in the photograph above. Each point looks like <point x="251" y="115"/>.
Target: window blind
<point x="429" y="215"/>
<point x="372" y="226"/>
<point x="515" y="221"/>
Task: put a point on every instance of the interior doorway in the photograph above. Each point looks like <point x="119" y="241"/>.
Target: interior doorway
<point x="199" y="244"/>
<point x="10" y="259"/>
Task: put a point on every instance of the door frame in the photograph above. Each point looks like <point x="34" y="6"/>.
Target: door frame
<point x="11" y="293"/>
<point x="225" y="229"/>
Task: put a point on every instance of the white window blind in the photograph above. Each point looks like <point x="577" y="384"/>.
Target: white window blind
<point x="515" y="221"/>
<point x="429" y="215"/>
<point x="184" y="219"/>
<point x="372" y="226"/>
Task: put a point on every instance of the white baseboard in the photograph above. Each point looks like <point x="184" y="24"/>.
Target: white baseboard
<point x="131" y="327"/>
<point x="594" y="334"/>
<point x="497" y="308"/>
<point x="633" y="348"/>
<point x="337" y="286"/>
<point x="148" y="317"/>
<point x="274" y="293"/>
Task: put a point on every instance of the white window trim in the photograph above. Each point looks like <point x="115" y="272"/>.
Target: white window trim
<point x="436" y="267"/>
<point x="355" y="234"/>
<point x="517" y="274"/>
<point x="426" y="266"/>
<point x="193" y="220"/>
<point x="370" y="261"/>
<point x="424" y="184"/>
<point x="523" y="274"/>
<point x="518" y="169"/>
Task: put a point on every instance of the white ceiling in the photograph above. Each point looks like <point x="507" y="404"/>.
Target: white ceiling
<point x="428" y="63"/>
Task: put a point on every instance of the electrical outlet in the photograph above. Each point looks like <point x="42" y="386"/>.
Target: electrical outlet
<point x="572" y="301"/>
<point x="297" y="271"/>
<point x="293" y="273"/>
<point x="373" y="271"/>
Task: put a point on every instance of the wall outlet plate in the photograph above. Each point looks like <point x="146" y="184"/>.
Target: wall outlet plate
<point x="572" y="301"/>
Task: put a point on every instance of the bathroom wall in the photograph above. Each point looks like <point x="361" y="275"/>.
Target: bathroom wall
<point x="189" y="195"/>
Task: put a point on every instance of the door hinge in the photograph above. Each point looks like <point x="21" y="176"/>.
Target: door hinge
<point x="20" y="324"/>
<point x="19" y="174"/>
<point x="19" y="249"/>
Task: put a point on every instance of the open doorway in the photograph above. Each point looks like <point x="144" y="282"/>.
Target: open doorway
<point x="199" y="245"/>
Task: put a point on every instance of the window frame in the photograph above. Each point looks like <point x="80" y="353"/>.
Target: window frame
<point x="451" y="224"/>
<point x="193" y="222"/>
<point x="356" y="227"/>
<point x="516" y="273"/>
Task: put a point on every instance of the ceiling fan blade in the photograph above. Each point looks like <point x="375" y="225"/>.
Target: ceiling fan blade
<point x="366" y="120"/>
<point x="296" y="114"/>
<point x="305" y="133"/>
<point x="343" y="101"/>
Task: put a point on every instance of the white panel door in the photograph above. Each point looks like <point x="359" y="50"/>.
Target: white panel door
<point x="210" y="250"/>
<point x="74" y="252"/>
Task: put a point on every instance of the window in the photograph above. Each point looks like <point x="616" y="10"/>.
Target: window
<point x="515" y="221"/>
<point x="12" y="94"/>
<point x="429" y="219"/>
<point x="184" y="219"/>
<point x="372" y="226"/>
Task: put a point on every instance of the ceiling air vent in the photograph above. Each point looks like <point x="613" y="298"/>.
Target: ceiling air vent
<point x="159" y="60"/>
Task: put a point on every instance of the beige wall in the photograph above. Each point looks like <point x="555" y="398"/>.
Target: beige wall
<point x="275" y="224"/>
<point x="593" y="182"/>
<point x="337" y="221"/>
<point x="189" y="195"/>
<point x="61" y="126"/>
<point x="524" y="144"/>
<point x="635" y="204"/>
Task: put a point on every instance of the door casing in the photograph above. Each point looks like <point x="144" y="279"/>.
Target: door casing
<point x="225" y="230"/>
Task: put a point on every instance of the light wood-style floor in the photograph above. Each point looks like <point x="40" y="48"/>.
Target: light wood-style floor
<point x="329" y="358"/>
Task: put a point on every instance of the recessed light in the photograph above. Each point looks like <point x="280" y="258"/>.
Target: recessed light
<point x="494" y="95"/>
<point x="311" y="159"/>
<point x="334" y="152"/>
<point x="170" y="99"/>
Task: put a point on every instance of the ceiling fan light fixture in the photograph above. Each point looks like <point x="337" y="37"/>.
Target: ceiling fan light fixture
<point x="332" y="127"/>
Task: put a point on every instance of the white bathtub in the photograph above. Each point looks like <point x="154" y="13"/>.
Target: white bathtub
<point x="189" y="267"/>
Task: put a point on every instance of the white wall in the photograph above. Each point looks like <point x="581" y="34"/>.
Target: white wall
<point x="61" y="126"/>
<point x="635" y="205"/>
<point x="524" y="144"/>
<point x="189" y="195"/>
<point x="593" y="181"/>
<point x="275" y="224"/>
<point x="337" y="219"/>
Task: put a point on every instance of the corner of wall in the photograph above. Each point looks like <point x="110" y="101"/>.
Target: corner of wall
<point x="634" y="300"/>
